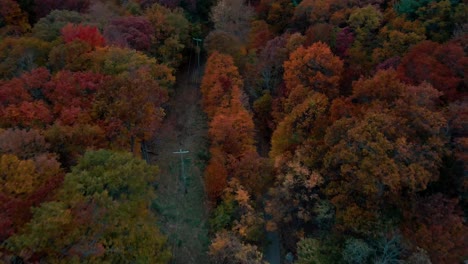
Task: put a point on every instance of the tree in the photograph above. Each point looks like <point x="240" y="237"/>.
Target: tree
<point x="321" y="32"/>
<point x="246" y="221"/>
<point x="309" y="250"/>
<point x="272" y="58"/>
<point x="125" y="62"/>
<point x="218" y="81"/>
<point x="232" y="17"/>
<point x="227" y="248"/>
<point x="88" y="34"/>
<point x="44" y="7"/>
<point x="435" y="223"/>
<point x="18" y="177"/>
<point x="25" y="144"/>
<point x="313" y="68"/>
<point x="70" y="56"/>
<point x="410" y="7"/>
<point x="216" y="174"/>
<point x="439" y="17"/>
<point x="388" y="249"/>
<point x="294" y="201"/>
<point x="397" y="37"/>
<point x="18" y="55"/>
<point x="252" y="171"/>
<point x="306" y="120"/>
<point x="101" y="214"/>
<point x="65" y="101"/>
<point x="25" y="183"/>
<point x="233" y="131"/>
<point x="297" y="150"/>
<point x="222" y="42"/>
<point x="394" y="146"/>
<point x="232" y="134"/>
<point x="13" y="21"/>
<point x="262" y="108"/>
<point x="72" y="94"/>
<point x="13" y="92"/>
<point x="231" y="128"/>
<point x="419" y="257"/>
<point x="356" y="251"/>
<point x="259" y="35"/>
<point x="48" y="28"/>
<point x="344" y="40"/>
<point x="440" y="65"/>
<point x="132" y="32"/>
<point x="365" y="23"/>
<point x="21" y="98"/>
<point x="310" y="12"/>
<point x="129" y="108"/>
<point x="27" y="115"/>
<point x="171" y="33"/>
<point x="70" y="142"/>
<point x="276" y="13"/>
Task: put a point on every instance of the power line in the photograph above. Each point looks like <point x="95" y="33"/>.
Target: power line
<point x="182" y="152"/>
<point x="198" y="41"/>
<point x="182" y="170"/>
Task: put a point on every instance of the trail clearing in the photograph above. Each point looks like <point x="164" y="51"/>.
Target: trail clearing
<point x="180" y="204"/>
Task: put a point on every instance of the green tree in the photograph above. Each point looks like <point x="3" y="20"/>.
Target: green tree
<point x="18" y="55"/>
<point x="119" y="61"/>
<point x="397" y="36"/>
<point x="365" y="23"/>
<point x="48" y="28"/>
<point x="317" y="251"/>
<point x="440" y="17"/>
<point x="356" y="251"/>
<point x="171" y="33"/>
<point x="101" y="215"/>
<point x="410" y="7"/>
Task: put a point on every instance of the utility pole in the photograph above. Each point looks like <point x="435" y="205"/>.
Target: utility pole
<point x="198" y="41"/>
<point x="182" y="152"/>
<point x="182" y="171"/>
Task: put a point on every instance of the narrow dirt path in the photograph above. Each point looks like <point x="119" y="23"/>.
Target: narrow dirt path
<point x="181" y="199"/>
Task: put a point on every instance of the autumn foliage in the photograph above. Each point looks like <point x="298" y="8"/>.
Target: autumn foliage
<point x="338" y="126"/>
<point x="30" y="175"/>
<point x="436" y="225"/>
<point x="133" y="32"/>
<point x="88" y="97"/>
<point x="231" y="126"/>
<point x="88" y="34"/>
<point x="444" y="66"/>
<point x="315" y="68"/>
<point x="356" y="101"/>
<point x="221" y="75"/>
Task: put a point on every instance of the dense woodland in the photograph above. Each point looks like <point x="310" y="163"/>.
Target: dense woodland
<point x="340" y="125"/>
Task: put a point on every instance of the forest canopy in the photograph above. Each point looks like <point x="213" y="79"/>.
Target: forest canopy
<point x="334" y="131"/>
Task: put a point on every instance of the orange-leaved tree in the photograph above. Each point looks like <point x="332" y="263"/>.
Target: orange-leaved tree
<point x="386" y="152"/>
<point x="314" y="68"/>
<point x="221" y="75"/>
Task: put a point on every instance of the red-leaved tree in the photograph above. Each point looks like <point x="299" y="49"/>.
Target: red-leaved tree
<point x="88" y="34"/>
